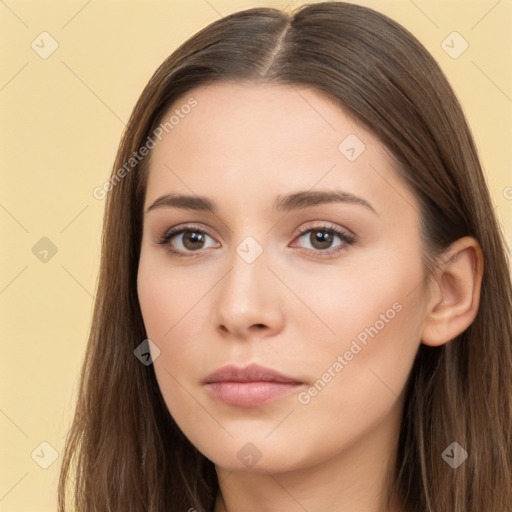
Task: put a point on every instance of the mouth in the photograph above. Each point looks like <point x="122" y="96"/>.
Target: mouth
<point x="250" y="386"/>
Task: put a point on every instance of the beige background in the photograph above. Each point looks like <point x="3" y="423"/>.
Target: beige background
<point x="61" y="119"/>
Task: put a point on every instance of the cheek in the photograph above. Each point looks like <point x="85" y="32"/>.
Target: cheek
<point x="164" y="310"/>
<point x="359" y="374"/>
<point x="165" y="296"/>
<point x="376" y="318"/>
<point x="169" y="304"/>
<point x="374" y="298"/>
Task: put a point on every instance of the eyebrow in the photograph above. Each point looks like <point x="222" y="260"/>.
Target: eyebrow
<point x="287" y="203"/>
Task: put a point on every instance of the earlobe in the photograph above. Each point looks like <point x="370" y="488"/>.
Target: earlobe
<point x="455" y="294"/>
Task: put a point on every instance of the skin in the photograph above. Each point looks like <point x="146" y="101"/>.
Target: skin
<point x="291" y="309"/>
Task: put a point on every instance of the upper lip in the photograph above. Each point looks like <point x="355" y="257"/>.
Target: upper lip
<point x="251" y="373"/>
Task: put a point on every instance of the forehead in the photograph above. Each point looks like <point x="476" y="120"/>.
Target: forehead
<point x="251" y="118"/>
<point x="252" y="141"/>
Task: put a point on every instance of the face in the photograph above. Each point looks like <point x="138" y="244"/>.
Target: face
<point x="304" y="258"/>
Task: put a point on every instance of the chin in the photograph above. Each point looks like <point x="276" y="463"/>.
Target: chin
<point x="255" y="454"/>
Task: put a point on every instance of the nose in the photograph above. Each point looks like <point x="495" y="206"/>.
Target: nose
<point x="249" y="299"/>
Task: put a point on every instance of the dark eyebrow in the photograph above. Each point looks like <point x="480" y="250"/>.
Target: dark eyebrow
<point x="308" y="198"/>
<point x="289" y="202"/>
<point x="184" y="202"/>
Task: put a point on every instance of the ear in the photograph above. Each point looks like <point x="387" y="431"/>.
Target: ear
<point x="454" y="292"/>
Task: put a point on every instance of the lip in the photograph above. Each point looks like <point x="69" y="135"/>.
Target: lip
<point x="249" y="386"/>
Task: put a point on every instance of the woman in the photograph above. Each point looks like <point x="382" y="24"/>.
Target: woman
<point x="304" y="299"/>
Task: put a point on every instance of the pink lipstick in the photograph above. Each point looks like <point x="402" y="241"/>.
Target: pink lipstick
<point x="250" y="386"/>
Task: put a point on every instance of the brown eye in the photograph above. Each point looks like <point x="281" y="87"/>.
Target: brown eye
<point x="184" y="241"/>
<point x="322" y="238"/>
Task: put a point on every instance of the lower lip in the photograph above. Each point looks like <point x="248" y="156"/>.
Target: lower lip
<point x="251" y="394"/>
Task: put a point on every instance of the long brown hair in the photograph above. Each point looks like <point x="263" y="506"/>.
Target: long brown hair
<point x="124" y="449"/>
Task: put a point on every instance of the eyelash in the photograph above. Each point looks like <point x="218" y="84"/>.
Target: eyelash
<point x="345" y="238"/>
